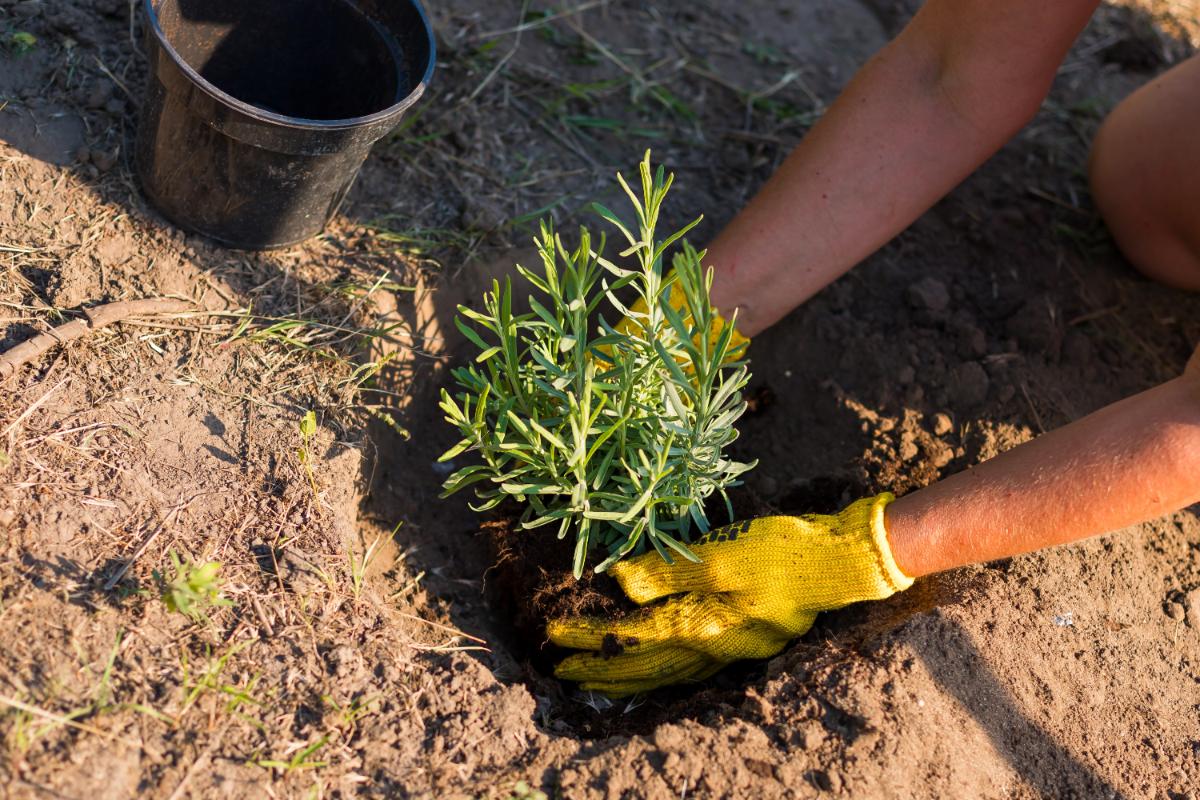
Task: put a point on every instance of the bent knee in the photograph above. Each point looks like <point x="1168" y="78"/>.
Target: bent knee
<point x="1152" y="233"/>
<point x="1145" y="177"/>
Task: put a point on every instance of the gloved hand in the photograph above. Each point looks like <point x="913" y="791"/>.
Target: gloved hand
<point x="678" y="301"/>
<point x="758" y="585"/>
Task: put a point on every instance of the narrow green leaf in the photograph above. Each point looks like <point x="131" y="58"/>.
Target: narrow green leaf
<point x="486" y="354"/>
<point x="470" y="334"/>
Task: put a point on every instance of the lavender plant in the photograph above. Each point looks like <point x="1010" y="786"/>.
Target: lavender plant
<point x="615" y="435"/>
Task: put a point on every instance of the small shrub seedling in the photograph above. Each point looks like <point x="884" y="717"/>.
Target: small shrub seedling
<point x="616" y="434"/>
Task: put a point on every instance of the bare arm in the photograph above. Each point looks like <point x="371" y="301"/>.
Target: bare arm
<point x="961" y="79"/>
<point x="1126" y="463"/>
<point x="957" y="83"/>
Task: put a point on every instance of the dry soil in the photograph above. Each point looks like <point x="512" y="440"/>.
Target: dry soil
<point x="355" y="662"/>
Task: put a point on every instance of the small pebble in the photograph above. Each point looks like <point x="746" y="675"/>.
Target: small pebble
<point x="928" y="293"/>
<point x="103" y="160"/>
<point x="1191" y="603"/>
<point x="100" y="94"/>
<point x="941" y="424"/>
<point x="908" y="450"/>
<point x="1174" y="610"/>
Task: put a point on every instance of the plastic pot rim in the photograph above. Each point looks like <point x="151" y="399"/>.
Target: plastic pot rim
<point x="299" y="123"/>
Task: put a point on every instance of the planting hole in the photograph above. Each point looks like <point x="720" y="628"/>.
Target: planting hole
<point x="530" y="582"/>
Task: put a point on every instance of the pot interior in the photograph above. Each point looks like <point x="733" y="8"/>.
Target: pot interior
<point x="311" y="59"/>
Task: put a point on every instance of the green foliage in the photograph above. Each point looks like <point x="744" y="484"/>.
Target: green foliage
<point x="616" y="435"/>
<point x="209" y="680"/>
<point x="301" y="760"/>
<point x="308" y="428"/>
<point x="523" y="791"/>
<point x="21" y="42"/>
<point x="193" y="588"/>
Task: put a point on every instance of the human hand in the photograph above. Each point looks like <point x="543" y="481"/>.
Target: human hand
<point x="758" y="584"/>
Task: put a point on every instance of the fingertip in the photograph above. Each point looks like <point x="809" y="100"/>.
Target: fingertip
<point x="591" y="668"/>
<point x="632" y="578"/>
<point x="556" y="629"/>
<point x="615" y="691"/>
<point x="649" y="578"/>
<point x="577" y="633"/>
<point x="579" y="667"/>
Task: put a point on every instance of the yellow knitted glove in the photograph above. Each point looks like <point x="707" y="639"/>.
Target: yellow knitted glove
<point x="758" y="585"/>
<point x="678" y="301"/>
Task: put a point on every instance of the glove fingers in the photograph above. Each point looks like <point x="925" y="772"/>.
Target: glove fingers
<point x="601" y="633"/>
<point x="648" y="578"/>
<point x="653" y="666"/>
<point x="615" y="689"/>
<point x="726" y="563"/>
<point x="690" y="621"/>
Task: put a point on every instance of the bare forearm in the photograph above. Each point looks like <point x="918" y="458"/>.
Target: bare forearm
<point x="1129" y="462"/>
<point x="919" y="117"/>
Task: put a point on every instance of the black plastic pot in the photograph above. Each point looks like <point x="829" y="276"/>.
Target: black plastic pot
<point x="259" y="113"/>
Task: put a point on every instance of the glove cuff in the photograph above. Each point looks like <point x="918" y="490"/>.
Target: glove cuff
<point x="868" y="571"/>
<point x="890" y="571"/>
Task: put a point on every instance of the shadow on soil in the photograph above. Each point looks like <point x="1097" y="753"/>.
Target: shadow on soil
<point x="960" y="669"/>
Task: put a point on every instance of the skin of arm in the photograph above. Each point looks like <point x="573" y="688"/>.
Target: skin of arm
<point x="1126" y="463"/>
<point x="958" y="82"/>
<point x="961" y="79"/>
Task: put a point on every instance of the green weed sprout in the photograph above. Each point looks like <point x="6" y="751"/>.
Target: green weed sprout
<point x="616" y="435"/>
<point x="308" y="429"/>
<point x="523" y="791"/>
<point x="193" y="588"/>
<point x="22" y="42"/>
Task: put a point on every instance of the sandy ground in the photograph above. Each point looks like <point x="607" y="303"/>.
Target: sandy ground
<point x="357" y="661"/>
